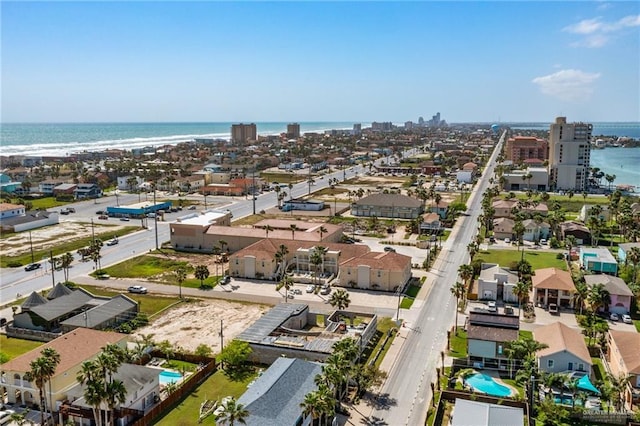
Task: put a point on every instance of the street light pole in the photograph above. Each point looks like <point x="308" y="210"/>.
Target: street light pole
<point x="253" y="190"/>
<point x="31" y="245"/>
<point x="155" y="216"/>
<point x="53" y="269"/>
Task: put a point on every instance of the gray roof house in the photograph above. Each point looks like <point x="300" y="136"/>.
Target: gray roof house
<point x="473" y="413"/>
<point x="388" y="205"/>
<point x="274" y="398"/>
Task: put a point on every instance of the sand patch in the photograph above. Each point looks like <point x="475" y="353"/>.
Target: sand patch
<point x="192" y="324"/>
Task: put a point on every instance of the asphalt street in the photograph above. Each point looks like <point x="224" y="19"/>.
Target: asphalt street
<point x="407" y="392"/>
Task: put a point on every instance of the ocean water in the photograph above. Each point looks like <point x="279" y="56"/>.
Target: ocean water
<point x="61" y="139"/>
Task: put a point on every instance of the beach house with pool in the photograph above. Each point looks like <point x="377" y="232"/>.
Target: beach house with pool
<point x="566" y="350"/>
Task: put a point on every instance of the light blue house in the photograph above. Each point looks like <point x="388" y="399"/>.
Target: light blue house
<point x="7" y="185"/>
<point x="624" y="249"/>
<point x="599" y="260"/>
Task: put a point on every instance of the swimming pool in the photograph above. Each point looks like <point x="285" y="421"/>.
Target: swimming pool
<point x="486" y="384"/>
<point x="168" y="376"/>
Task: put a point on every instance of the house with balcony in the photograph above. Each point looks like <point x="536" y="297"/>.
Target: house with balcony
<point x="431" y="224"/>
<point x="87" y="190"/>
<point x="598" y="260"/>
<point x="503" y="228"/>
<point x="621" y="295"/>
<point x="553" y="285"/>
<point x="566" y="350"/>
<point x="624" y="249"/>
<point x="76" y="347"/>
<point x="623" y="358"/>
<point x="578" y="230"/>
<point x="487" y="337"/>
<point x="495" y="283"/>
<point x="535" y="231"/>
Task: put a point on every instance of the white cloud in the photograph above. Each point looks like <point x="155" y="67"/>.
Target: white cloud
<point x="595" y="29"/>
<point x="604" y="6"/>
<point x="568" y="85"/>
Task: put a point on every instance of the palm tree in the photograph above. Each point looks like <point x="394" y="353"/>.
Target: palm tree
<point x="322" y="230"/>
<point x="267" y="229"/>
<point x="54" y="359"/>
<point x="202" y="273"/>
<point x="294" y="228"/>
<point x="115" y="394"/>
<point x="458" y="290"/>
<point x="281" y="258"/>
<point x="598" y="297"/>
<point x="634" y="257"/>
<point x="230" y="412"/>
<point x="180" y="275"/>
<point x="65" y="262"/>
<point x="89" y="377"/>
<point x="311" y="406"/>
<point x="521" y="291"/>
<point x="340" y="299"/>
<point x="620" y="385"/>
<point x="466" y="273"/>
<point x="41" y="370"/>
<point x="287" y="283"/>
<point x="581" y="294"/>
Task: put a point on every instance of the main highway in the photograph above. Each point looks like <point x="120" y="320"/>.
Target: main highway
<point x="16" y="282"/>
<point x="406" y="392"/>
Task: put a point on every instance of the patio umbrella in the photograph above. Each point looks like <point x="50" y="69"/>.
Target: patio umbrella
<point x="585" y="384"/>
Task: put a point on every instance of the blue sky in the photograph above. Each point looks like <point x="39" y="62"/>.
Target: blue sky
<point x="320" y="61"/>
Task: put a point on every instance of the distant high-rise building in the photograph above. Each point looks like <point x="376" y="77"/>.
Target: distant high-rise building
<point x="408" y="125"/>
<point x="522" y="148"/>
<point x="243" y="132"/>
<point x="357" y="129"/>
<point x="293" y="130"/>
<point x="569" y="155"/>
<point x="420" y="121"/>
<point x="386" y="126"/>
<point x="435" y="120"/>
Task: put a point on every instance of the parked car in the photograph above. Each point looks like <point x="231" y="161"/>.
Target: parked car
<point x="491" y="306"/>
<point x="311" y="288"/>
<point x="553" y="309"/>
<point x="225" y="280"/>
<point x="112" y="242"/>
<point x="192" y="207"/>
<point x="124" y="219"/>
<point x="507" y="240"/>
<point x="103" y="217"/>
<point x="614" y="317"/>
<point x="137" y="289"/>
<point x="297" y="291"/>
<point x="626" y="318"/>
<point x="325" y="289"/>
<point x="71" y="209"/>
<point x="389" y="249"/>
<point x="543" y="242"/>
<point x="291" y="294"/>
<point x="32" y="267"/>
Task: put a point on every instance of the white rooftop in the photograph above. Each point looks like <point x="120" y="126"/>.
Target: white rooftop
<point x="203" y="219"/>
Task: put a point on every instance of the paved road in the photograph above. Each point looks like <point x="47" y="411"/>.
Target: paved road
<point x="407" y="391"/>
<point x="16" y="281"/>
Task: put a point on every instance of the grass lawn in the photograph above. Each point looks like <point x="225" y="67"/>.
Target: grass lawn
<point x="149" y="304"/>
<point x="13" y="347"/>
<point x="599" y="373"/>
<point x="525" y="334"/>
<point x="412" y="292"/>
<point x="271" y="177"/>
<point x="64" y="247"/>
<point x="215" y="387"/>
<point x="145" y="267"/>
<point x="459" y="344"/>
<point x="383" y="327"/>
<point x="181" y="365"/>
<point x="538" y="259"/>
<point x="572" y="204"/>
<point x="637" y="324"/>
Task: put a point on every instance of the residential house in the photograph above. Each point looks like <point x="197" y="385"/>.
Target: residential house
<point x="621" y="294"/>
<point x="623" y="358"/>
<point x="87" y="190"/>
<point x="283" y="331"/>
<point x="598" y="259"/>
<point x="553" y="285"/>
<point x="142" y="385"/>
<point x="503" y="208"/>
<point x="495" y="283"/>
<point x="8" y="210"/>
<point x="566" y="350"/>
<point x="586" y="213"/>
<point x="624" y="249"/>
<point x="66" y="312"/>
<point x="274" y="398"/>
<point x="533" y="178"/>
<point x="503" y="228"/>
<point x="190" y="231"/>
<point x="487" y="336"/>
<point x="64" y="189"/>
<point x="388" y="206"/>
<point x="76" y="347"/>
<point x="431" y="224"/>
<point x="467" y="412"/>
<point x="580" y="232"/>
<point x="535" y="231"/>
<point x="384" y="271"/>
<point x="46" y="186"/>
<point x="30" y="220"/>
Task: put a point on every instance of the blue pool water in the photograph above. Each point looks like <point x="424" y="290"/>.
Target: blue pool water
<point x="486" y="384"/>
<point x="168" y="376"/>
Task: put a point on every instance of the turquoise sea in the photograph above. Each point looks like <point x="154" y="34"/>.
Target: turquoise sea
<point x="60" y="139"/>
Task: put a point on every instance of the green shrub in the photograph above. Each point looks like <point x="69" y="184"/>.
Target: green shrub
<point x="14" y="264"/>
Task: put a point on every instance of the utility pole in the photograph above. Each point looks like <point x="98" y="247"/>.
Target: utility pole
<point x="398" y="310"/>
<point x="155" y="216"/>
<point x="31" y="245"/>
<point x="93" y="234"/>
<point x="253" y="189"/>
<point x="221" y="337"/>
<point x="53" y="269"/>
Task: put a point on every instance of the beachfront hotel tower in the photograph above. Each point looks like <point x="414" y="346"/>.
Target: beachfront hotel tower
<point x="293" y="130"/>
<point x="243" y="132"/>
<point x="569" y="155"/>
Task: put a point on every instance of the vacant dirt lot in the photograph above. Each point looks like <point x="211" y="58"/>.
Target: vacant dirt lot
<point x="195" y="323"/>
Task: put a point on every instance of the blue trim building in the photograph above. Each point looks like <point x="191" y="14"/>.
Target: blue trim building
<point x="138" y="210"/>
